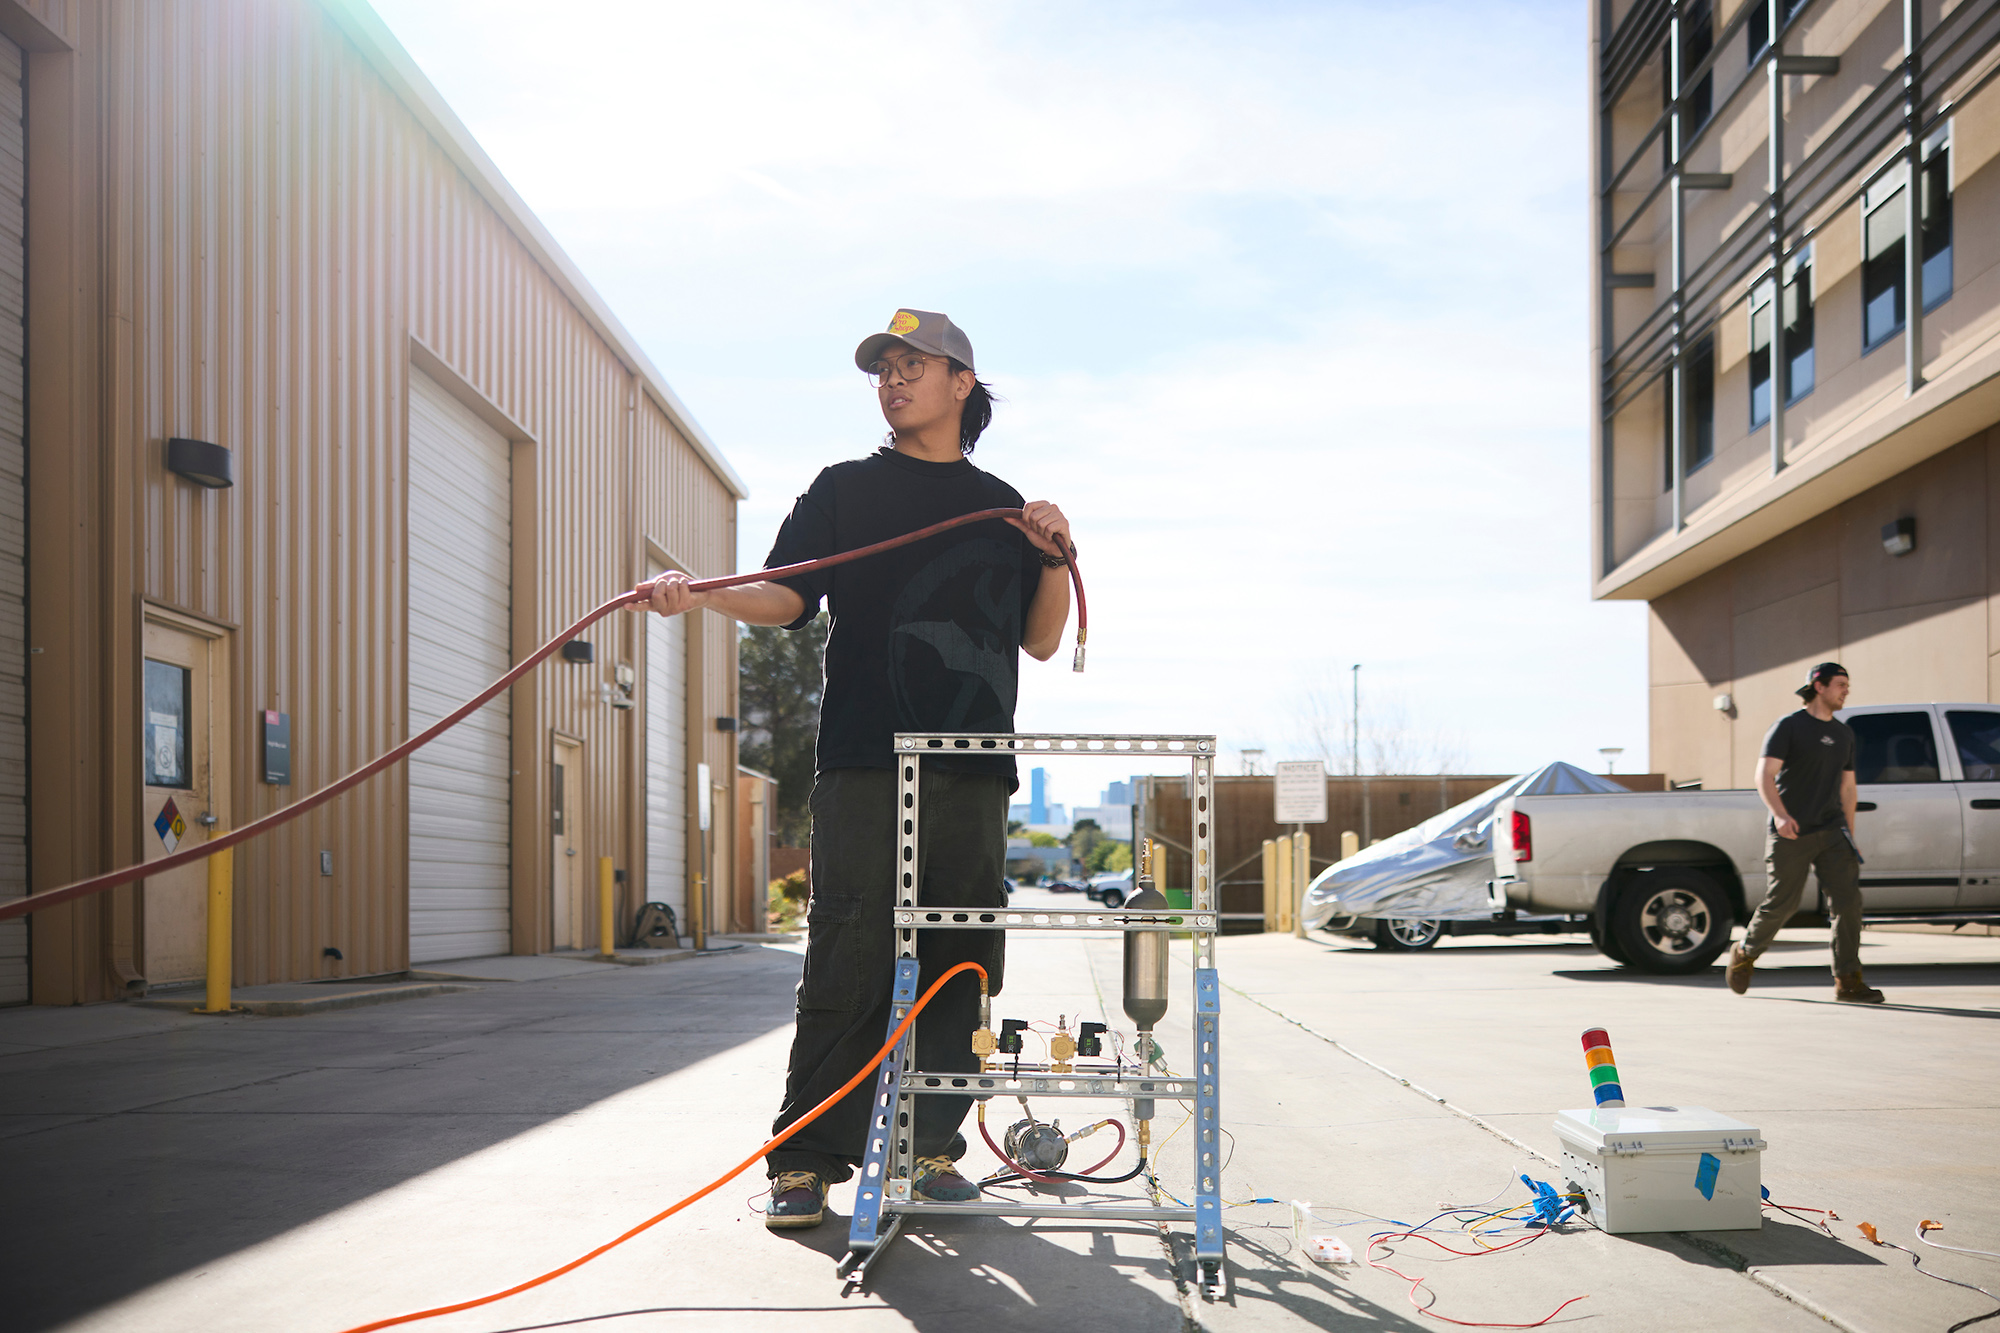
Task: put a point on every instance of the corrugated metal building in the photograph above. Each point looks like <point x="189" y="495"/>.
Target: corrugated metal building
<point x="253" y="223"/>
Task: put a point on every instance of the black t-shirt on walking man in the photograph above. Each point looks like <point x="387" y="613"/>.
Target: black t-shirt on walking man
<point x="925" y="637"/>
<point x="1814" y="755"/>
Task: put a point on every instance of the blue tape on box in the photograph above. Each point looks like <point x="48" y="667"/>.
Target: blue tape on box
<point x="1705" y="1173"/>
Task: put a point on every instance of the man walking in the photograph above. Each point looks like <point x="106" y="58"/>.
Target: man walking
<point x="923" y="638"/>
<point x="1807" y="782"/>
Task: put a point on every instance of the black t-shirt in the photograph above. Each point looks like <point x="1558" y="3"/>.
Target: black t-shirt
<point x="1814" y="755"/>
<point x="925" y="637"/>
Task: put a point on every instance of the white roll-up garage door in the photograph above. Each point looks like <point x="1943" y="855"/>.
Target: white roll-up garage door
<point x="666" y="764"/>
<point x="461" y="555"/>
<point x="13" y="529"/>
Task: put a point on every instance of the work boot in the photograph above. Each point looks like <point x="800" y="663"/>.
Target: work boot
<point x="937" y="1180"/>
<point x="798" y="1199"/>
<point x="1741" y="965"/>
<point x="1856" y="991"/>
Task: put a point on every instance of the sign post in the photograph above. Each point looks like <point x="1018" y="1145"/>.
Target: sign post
<point x="1299" y="798"/>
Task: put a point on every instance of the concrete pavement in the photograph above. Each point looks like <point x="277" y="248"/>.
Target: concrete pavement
<point x="172" y="1172"/>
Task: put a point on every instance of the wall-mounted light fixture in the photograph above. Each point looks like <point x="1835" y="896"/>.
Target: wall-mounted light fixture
<point x="1724" y="702"/>
<point x="725" y="724"/>
<point x="1900" y="537"/>
<point x="202" y="463"/>
<point x="579" y="650"/>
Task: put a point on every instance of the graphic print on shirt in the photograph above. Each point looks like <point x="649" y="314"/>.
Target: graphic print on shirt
<point x="953" y="672"/>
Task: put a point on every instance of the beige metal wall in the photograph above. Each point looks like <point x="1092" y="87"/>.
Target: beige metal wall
<point x="1920" y="627"/>
<point x="241" y="231"/>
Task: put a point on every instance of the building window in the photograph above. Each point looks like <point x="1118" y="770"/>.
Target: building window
<point x="1882" y="294"/>
<point x="1698" y="443"/>
<point x="1698" y="97"/>
<point x="1798" y="310"/>
<point x="1757" y="28"/>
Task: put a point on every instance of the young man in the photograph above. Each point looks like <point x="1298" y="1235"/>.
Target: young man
<point x="922" y="638"/>
<point x="1807" y="782"/>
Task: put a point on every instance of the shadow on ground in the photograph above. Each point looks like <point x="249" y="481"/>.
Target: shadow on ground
<point x="131" y="1158"/>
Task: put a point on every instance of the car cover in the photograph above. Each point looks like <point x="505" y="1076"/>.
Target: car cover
<point x="1437" y="870"/>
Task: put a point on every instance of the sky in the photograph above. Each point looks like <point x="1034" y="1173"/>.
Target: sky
<point x="1286" y="304"/>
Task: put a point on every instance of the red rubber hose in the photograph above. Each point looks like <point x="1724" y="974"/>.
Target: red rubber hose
<point x="111" y="879"/>
<point x="712" y="1185"/>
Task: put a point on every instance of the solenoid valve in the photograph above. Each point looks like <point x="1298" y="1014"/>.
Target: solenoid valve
<point x="1010" y="1035"/>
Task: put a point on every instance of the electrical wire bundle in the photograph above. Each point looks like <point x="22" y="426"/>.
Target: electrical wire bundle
<point x="1916" y="1261"/>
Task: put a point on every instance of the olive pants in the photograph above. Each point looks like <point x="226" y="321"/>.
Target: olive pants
<point x="1832" y="856"/>
<point x="844" y="996"/>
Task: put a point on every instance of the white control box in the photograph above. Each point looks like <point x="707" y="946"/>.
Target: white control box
<point x="1664" y="1168"/>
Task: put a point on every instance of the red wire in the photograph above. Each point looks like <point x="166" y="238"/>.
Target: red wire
<point x="111" y="879"/>
<point x="1416" y="1282"/>
<point x="705" y="1190"/>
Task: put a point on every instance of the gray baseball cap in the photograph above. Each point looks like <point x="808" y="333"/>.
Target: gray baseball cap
<point x="925" y="330"/>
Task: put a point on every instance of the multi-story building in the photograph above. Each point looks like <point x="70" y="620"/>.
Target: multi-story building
<point x="308" y="429"/>
<point x="1796" y="354"/>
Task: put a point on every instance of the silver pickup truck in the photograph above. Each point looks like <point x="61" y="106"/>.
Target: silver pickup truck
<point x="1664" y="875"/>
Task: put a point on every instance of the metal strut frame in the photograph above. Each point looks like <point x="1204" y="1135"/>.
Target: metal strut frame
<point x="883" y="1196"/>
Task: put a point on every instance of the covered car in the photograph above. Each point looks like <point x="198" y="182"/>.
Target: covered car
<point x="1437" y="870"/>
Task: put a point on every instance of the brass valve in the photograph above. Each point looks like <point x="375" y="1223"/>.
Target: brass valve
<point x="1062" y="1048"/>
<point x="984" y="1044"/>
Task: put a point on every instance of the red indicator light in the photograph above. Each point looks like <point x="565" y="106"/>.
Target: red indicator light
<point x="1524" y="837"/>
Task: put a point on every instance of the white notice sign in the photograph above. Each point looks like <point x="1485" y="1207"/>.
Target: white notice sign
<point x="1301" y="792"/>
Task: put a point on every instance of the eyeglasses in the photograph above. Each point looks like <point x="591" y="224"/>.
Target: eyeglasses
<point x="908" y="368"/>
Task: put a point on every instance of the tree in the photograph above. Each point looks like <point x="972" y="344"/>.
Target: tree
<point x="780" y="675"/>
<point x="1109" y="858"/>
<point x="1044" y="840"/>
<point x="1084" y="838"/>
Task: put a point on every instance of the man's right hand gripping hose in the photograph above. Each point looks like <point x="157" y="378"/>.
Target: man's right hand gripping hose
<point x="712" y="1185"/>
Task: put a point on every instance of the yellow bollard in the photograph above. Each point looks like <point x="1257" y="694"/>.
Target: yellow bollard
<point x="1282" y="920"/>
<point x="606" y="938"/>
<point x="1301" y="876"/>
<point x="1270" y="884"/>
<point x="221" y="906"/>
<point x="1350" y="844"/>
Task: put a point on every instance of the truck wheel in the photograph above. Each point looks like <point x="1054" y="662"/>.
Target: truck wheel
<point x="1112" y="897"/>
<point x="1671" y="921"/>
<point x="1407" y="934"/>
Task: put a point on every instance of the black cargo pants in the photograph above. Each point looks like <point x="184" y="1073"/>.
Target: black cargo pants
<point x="850" y="974"/>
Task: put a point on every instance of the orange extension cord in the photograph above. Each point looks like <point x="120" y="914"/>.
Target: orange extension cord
<point x="111" y="879"/>
<point x="712" y="1185"/>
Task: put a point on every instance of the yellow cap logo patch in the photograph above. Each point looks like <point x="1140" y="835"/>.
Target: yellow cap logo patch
<point x="904" y="322"/>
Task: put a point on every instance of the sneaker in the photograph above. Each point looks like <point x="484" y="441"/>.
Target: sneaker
<point x="1741" y="965"/>
<point x="1856" y="991"/>
<point x="937" y="1180"/>
<point x="798" y="1199"/>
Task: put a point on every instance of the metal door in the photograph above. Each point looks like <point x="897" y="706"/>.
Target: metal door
<point x="566" y="907"/>
<point x="460" y="627"/>
<point x="1909" y="826"/>
<point x="185" y="734"/>
<point x="1974" y="730"/>
<point x="666" y="701"/>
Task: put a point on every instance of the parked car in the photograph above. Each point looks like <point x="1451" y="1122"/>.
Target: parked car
<point x="1111" y="890"/>
<point x="1066" y="886"/>
<point x="1410" y="890"/>
<point x="1663" y="876"/>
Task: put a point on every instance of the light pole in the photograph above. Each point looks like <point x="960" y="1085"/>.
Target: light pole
<point x="1611" y="753"/>
<point x="1251" y="758"/>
